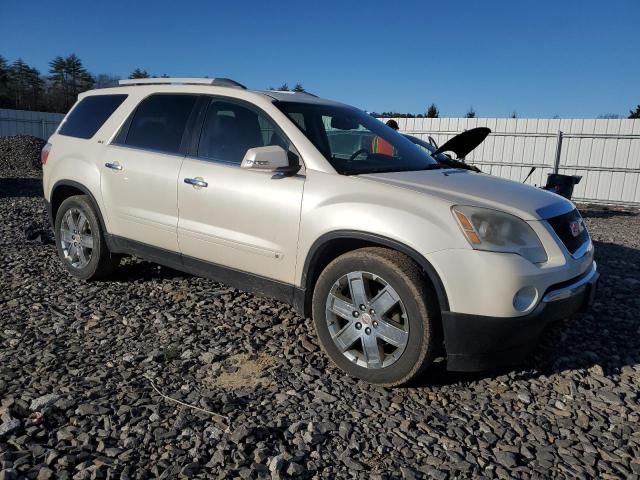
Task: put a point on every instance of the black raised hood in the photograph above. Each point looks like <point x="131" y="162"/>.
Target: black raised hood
<point x="463" y="143"/>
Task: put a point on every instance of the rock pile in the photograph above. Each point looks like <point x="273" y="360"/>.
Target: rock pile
<point x="20" y="156"/>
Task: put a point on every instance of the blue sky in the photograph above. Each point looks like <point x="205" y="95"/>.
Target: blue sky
<point x="539" y="58"/>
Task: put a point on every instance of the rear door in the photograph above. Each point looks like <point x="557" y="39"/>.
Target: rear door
<point x="238" y="218"/>
<point x="140" y="171"/>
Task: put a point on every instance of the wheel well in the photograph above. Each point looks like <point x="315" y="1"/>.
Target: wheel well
<point x="68" y="188"/>
<point x="326" y="251"/>
<point x="60" y="194"/>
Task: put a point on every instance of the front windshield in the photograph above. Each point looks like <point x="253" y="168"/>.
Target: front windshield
<point x="355" y="142"/>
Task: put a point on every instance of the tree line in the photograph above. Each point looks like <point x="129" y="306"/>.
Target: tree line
<point x="24" y="87"/>
<point x="432" y="111"/>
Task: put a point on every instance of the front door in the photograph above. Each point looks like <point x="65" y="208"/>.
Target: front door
<point x="241" y="219"/>
<point x="140" y="172"/>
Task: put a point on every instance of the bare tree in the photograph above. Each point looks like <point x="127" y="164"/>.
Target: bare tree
<point x="104" y="80"/>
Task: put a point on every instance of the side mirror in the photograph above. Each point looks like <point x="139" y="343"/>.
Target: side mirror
<point x="269" y="158"/>
<point x="272" y="158"/>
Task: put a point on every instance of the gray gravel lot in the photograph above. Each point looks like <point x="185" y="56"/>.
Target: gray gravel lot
<point x="77" y="362"/>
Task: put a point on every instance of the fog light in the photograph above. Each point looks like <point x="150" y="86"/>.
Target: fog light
<point x="525" y="298"/>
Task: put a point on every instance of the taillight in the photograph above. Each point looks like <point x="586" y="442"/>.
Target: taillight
<point x="44" y="155"/>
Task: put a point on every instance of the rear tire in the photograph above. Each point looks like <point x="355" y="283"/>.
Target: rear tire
<point x="80" y="240"/>
<point x="389" y="346"/>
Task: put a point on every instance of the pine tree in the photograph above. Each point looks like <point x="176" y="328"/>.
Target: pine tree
<point x="59" y="89"/>
<point x="298" y="88"/>
<point x="636" y="113"/>
<point x="35" y="89"/>
<point x="57" y="72"/>
<point x="19" y="81"/>
<point x="432" y="111"/>
<point x="139" y="73"/>
<point x="79" y="78"/>
<point x="471" y="113"/>
<point x="5" y="93"/>
<point x="68" y="78"/>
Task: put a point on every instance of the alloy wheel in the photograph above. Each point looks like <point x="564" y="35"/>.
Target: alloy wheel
<point x="76" y="238"/>
<point x="367" y="320"/>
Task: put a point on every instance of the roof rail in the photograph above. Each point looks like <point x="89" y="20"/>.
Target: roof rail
<point x="292" y="92"/>
<point x="219" y="82"/>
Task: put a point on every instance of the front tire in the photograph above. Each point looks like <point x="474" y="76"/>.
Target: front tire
<point x="375" y="316"/>
<point x="80" y="240"/>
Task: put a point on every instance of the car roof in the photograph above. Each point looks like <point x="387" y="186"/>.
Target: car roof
<point x="208" y="85"/>
<point x="298" y="97"/>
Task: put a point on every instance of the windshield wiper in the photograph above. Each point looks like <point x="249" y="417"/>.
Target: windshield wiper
<point x="434" y="166"/>
<point x="394" y="169"/>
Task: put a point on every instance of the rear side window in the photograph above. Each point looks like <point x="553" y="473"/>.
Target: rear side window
<point x="89" y="115"/>
<point x="158" y="123"/>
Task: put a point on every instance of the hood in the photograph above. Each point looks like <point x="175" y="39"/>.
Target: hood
<point x="465" y="142"/>
<point x="462" y="187"/>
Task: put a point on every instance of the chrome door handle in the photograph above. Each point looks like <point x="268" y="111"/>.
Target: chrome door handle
<point x="196" y="182"/>
<point x="113" y="166"/>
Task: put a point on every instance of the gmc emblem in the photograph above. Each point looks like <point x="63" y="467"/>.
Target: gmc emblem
<point x="576" y="227"/>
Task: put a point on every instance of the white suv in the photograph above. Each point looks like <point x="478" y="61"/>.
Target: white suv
<point x="397" y="259"/>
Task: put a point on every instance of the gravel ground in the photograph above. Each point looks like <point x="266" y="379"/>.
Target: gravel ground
<point x="20" y="156"/>
<point x="79" y="362"/>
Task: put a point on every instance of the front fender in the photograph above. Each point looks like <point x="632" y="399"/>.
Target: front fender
<point x="338" y="205"/>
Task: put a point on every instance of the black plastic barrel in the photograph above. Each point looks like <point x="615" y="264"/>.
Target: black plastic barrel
<point x="562" y="184"/>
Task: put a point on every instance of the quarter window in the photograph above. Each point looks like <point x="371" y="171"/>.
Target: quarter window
<point x="231" y="129"/>
<point x="159" y="122"/>
<point x="89" y="115"/>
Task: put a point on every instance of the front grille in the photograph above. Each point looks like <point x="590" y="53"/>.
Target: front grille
<point x="562" y="226"/>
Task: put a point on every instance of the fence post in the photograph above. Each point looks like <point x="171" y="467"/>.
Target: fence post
<point x="44" y="129"/>
<point x="556" y="163"/>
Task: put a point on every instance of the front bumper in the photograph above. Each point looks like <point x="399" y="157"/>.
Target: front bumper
<point x="476" y="342"/>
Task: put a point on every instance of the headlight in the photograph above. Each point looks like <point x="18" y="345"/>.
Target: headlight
<point x="496" y="231"/>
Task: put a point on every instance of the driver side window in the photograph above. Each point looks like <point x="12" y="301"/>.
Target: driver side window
<point x="230" y="129"/>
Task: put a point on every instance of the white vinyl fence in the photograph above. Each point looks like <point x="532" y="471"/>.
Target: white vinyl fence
<point x="22" y="122"/>
<point x="606" y="153"/>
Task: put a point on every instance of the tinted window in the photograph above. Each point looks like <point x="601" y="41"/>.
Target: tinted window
<point x="89" y="115"/>
<point x="231" y="129"/>
<point x="159" y="122"/>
